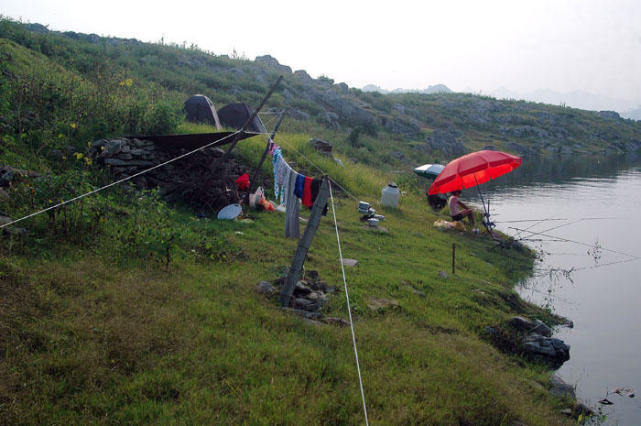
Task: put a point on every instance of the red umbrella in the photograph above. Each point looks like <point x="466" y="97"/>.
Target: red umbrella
<point x="473" y="169"/>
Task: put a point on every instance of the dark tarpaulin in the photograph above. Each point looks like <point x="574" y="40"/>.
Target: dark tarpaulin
<point x="191" y="142"/>
<point x="235" y="115"/>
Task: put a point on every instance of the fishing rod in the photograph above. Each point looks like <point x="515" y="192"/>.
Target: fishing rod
<point x="543" y="234"/>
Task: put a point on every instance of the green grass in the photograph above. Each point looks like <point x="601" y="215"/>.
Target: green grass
<point x="86" y="336"/>
<point x="123" y="309"/>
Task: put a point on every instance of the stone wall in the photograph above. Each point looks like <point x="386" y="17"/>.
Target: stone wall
<point x="195" y="179"/>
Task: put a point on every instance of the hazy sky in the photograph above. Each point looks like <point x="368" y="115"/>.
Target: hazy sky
<point x="586" y="45"/>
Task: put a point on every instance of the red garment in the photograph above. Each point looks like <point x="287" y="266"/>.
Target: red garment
<point x="307" y="193"/>
<point x="243" y="182"/>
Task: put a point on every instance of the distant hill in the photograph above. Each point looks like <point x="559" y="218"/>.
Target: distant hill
<point x="634" y="114"/>
<point x="575" y="99"/>
<point x="401" y="125"/>
<point x="437" y="88"/>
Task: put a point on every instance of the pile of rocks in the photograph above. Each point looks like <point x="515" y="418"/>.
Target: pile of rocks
<point x="196" y="179"/>
<point x="538" y="341"/>
<point x="310" y="295"/>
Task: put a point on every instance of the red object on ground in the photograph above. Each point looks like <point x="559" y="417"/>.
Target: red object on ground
<point x="473" y="169"/>
<point x="243" y="182"/>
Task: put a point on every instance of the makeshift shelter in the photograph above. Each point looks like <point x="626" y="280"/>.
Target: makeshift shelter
<point x="200" y="109"/>
<point x="235" y="115"/>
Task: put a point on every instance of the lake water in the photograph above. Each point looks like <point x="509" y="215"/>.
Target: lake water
<point x="590" y="270"/>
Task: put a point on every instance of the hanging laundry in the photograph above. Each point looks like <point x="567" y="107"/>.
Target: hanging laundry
<point x="300" y="185"/>
<point x="307" y="193"/>
<point x="283" y="169"/>
<point x="292" y="226"/>
<point x="315" y="189"/>
<point x="277" y="156"/>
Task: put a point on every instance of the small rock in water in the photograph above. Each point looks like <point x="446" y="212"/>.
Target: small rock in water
<point x="558" y="387"/>
<point x="606" y="401"/>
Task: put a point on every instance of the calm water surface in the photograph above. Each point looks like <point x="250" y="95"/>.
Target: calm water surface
<point x="595" y="280"/>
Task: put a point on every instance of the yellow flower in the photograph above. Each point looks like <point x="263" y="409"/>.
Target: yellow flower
<point x="73" y="125"/>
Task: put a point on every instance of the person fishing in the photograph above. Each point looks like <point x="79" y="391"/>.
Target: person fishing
<point x="459" y="211"/>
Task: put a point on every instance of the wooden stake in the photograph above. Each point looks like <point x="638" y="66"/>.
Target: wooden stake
<point x="453" y="258"/>
<point x="304" y="243"/>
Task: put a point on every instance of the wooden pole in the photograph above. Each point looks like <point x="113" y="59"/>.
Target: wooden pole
<point x="453" y="258"/>
<point x="304" y="243"/>
<point x="254" y="176"/>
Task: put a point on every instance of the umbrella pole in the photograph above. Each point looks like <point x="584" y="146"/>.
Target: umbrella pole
<point x="486" y="222"/>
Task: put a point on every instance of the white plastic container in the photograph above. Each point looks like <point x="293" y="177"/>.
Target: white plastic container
<point x="390" y="196"/>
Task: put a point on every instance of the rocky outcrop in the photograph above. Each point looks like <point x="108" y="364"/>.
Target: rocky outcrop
<point x="530" y="338"/>
<point x="447" y="141"/>
<point x="272" y="62"/>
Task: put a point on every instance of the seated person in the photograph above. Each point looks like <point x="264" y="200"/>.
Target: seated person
<point x="459" y="211"/>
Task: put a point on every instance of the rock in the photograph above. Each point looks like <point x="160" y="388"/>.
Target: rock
<point x="447" y="141"/>
<point x="297" y="114"/>
<point x="610" y="115"/>
<point x="319" y="286"/>
<point x="315" y="323"/>
<point x="335" y="321"/>
<point x="313" y="296"/>
<point x="582" y="409"/>
<point x="331" y="120"/>
<point x="6" y="176"/>
<point x="302" y="313"/>
<point x="272" y="62"/>
<point x="443" y="274"/>
<point x="416" y="291"/>
<point x="111" y="147"/>
<point x="398" y="155"/>
<point x="350" y="262"/>
<point x="117" y="162"/>
<point x="302" y="75"/>
<point x="558" y="387"/>
<point x="528" y="326"/>
<point x="266" y="288"/>
<point x="552" y="350"/>
<point x="410" y="129"/>
<point x="381" y="304"/>
<point x="305" y="304"/>
<point x="567" y="412"/>
<point x="322" y="146"/>
<point x="301" y="288"/>
<point x="311" y="276"/>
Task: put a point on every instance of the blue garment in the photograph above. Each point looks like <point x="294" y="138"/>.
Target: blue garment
<point x="300" y="185"/>
<point x="277" y="156"/>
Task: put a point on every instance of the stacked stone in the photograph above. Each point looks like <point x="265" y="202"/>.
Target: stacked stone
<point x="192" y="180"/>
<point x="310" y="295"/>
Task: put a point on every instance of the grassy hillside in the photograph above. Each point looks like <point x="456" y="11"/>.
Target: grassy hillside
<point x="122" y="308"/>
